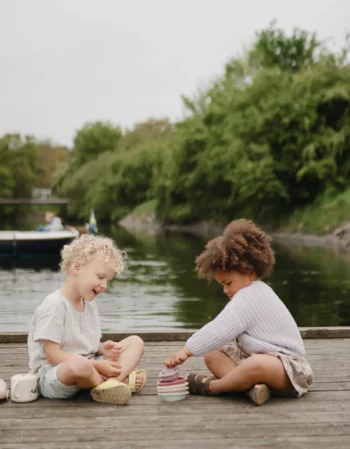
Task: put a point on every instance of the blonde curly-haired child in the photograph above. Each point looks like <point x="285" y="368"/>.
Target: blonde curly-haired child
<point x="64" y="344"/>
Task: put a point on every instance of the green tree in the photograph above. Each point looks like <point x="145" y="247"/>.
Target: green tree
<point x="273" y="48"/>
<point x="88" y="164"/>
<point x="135" y="169"/>
<point x="18" y="170"/>
<point x="51" y="159"/>
<point x="119" y="175"/>
<point x="94" y="139"/>
<point x="269" y="135"/>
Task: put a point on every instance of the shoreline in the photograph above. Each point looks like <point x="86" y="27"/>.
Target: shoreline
<point x="338" y="239"/>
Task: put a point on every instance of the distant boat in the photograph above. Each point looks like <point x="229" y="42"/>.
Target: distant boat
<point x="19" y="242"/>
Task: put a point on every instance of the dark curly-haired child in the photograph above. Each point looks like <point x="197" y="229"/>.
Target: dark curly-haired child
<point x="254" y="344"/>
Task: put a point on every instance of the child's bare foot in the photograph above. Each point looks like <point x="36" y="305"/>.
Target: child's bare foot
<point x="259" y="394"/>
<point x="136" y="380"/>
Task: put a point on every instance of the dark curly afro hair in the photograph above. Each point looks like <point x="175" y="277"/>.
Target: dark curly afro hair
<point x="243" y="247"/>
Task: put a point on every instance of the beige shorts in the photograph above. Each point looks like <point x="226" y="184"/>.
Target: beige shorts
<point x="297" y="368"/>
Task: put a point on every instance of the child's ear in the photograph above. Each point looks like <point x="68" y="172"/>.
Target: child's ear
<point x="75" y="268"/>
<point x="252" y="277"/>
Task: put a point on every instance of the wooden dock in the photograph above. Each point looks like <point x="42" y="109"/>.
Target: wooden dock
<point x="321" y="419"/>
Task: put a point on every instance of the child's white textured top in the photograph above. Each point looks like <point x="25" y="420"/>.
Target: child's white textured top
<point x="257" y="318"/>
<point x="57" y="320"/>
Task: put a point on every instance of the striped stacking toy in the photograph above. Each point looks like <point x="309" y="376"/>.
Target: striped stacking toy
<point x="172" y="387"/>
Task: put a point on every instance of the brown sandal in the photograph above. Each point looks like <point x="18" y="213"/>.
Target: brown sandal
<point x="197" y="386"/>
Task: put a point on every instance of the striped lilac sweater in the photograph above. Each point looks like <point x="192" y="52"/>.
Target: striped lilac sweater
<point x="257" y="318"/>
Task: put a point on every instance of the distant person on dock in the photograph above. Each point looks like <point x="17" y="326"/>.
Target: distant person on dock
<point x="64" y="344"/>
<point x="54" y="223"/>
<point x="254" y="344"/>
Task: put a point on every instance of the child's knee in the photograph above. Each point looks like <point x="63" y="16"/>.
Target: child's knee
<point x="137" y="342"/>
<point x="211" y="357"/>
<point x="257" y="362"/>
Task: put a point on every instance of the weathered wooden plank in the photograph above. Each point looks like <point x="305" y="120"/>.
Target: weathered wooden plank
<point x="207" y="431"/>
<point x="277" y="442"/>
<point x="316" y="387"/>
<point x="321" y="358"/>
<point x="182" y="335"/>
<point x="322" y="377"/>
<point x="276" y="408"/>
<point x="320" y="354"/>
<point x="164" y="336"/>
<point x="183" y="421"/>
<point x="321" y="386"/>
<point x="81" y="400"/>
<point x="334" y="379"/>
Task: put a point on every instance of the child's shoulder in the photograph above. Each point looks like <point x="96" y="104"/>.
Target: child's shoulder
<point x="52" y="301"/>
<point x="257" y="288"/>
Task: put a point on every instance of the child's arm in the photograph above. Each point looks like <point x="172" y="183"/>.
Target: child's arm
<point x="53" y="353"/>
<point x="55" y="356"/>
<point x="224" y="328"/>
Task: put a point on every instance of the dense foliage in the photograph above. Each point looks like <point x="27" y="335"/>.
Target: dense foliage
<point x="24" y="165"/>
<point x="51" y="161"/>
<point x="268" y="137"/>
<point x="120" y="174"/>
<point x="17" y="165"/>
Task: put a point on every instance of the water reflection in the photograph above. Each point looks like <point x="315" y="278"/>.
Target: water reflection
<point x="160" y="290"/>
<point x="34" y="262"/>
<point x="314" y="284"/>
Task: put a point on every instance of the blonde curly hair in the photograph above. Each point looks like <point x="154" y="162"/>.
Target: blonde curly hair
<point x="82" y="249"/>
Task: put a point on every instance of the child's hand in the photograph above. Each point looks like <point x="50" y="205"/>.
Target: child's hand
<point x="111" y="350"/>
<point x="178" y="358"/>
<point x="107" y="368"/>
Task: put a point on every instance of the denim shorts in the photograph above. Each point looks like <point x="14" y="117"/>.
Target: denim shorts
<point x="50" y="387"/>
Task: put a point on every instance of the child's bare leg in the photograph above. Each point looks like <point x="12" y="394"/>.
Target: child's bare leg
<point x="132" y="351"/>
<point x="77" y="370"/>
<point x="219" y="363"/>
<point x="257" y="369"/>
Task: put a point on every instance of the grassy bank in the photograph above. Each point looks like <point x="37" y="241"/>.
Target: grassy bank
<point x="327" y="213"/>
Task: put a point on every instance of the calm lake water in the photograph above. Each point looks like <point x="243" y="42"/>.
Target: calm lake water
<point x="159" y="290"/>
